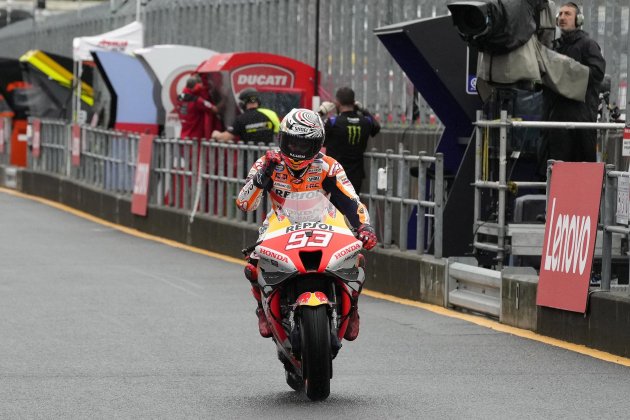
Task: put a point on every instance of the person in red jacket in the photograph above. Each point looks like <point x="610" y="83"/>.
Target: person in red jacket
<point x="194" y="109"/>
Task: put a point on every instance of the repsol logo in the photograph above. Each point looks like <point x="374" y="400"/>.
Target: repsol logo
<point x="347" y="251"/>
<point x="282" y="193"/>
<point x="568" y="242"/>
<point x="308" y="225"/>
<point x="274" y="255"/>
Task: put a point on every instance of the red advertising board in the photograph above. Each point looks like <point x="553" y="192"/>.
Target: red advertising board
<point x="570" y="234"/>
<point x="2" y="135"/>
<point x="37" y="131"/>
<point x="76" y="144"/>
<point x="140" y="197"/>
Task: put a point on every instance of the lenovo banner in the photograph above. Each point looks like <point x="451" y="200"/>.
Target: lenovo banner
<point x="36" y="139"/>
<point x="570" y="233"/>
<point x="140" y="197"/>
<point x="76" y="144"/>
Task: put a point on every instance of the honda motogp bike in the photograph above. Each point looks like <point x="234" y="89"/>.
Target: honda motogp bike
<point x="310" y="272"/>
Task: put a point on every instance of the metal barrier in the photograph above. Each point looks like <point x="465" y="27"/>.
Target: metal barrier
<point x="613" y="196"/>
<point x="223" y="167"/>
<point x="474" y="288"/>
<point x="174" y="173"/>
<point x="205" y="177"/>
<point x="53" y="148"/>
<point x="478" y="289"/>
<point x="107" y="160"/>
<point x="5" y="141"/>
<point x="500" y="228"/>
<point x="395" y="169"/>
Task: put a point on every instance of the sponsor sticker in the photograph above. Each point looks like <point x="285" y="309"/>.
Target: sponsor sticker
<point x="282" y="185"/>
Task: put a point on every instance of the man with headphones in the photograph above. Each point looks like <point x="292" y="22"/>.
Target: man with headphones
<point x="573" y="145"/>
<point x="255" y="124"/>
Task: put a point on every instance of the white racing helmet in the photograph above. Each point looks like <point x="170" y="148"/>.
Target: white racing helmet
<point x="301" y="138"/>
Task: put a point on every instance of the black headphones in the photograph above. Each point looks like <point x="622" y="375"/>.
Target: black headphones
<point x="579" y="17"/>
<point x="249" y="95"/>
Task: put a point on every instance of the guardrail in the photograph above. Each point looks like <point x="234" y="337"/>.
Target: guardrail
<point x="204" y="178"/>
<point x="395" y="169"/>
<point x="54" y="138"/>
<point x="498" y="228"/>
<point x="474" y="288"/>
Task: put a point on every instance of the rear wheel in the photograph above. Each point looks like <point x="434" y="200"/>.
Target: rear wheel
<point x="316" y="352"/>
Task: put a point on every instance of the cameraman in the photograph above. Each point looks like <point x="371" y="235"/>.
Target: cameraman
<point x="573" y="145"/>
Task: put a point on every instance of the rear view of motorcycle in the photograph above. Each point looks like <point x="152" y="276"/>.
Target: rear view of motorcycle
<point x="310" y="271"/>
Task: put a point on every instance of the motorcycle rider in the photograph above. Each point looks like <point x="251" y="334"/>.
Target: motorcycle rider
<point x="300" y="166"/>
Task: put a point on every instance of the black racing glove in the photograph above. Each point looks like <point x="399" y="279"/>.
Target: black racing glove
<point x="263" y="176"/>
<point x="367" y="235"/>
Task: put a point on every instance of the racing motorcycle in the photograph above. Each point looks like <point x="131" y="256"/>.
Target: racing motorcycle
<point x="310" y="272"/>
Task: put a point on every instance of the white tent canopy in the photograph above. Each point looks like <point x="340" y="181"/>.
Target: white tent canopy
<point x="124" y="39"/>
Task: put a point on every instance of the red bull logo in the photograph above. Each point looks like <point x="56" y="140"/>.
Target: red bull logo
<point x="312" y="299"/>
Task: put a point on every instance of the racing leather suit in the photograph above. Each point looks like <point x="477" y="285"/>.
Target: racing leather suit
<point x="324" y="174"/>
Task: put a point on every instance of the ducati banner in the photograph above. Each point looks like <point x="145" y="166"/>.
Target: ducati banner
<point x="570" y="233"/>
<point x="140" y="197"/>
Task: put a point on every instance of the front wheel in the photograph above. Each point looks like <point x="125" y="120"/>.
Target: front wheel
<point x="316" y="352"/>
<point x="294" y="381"/>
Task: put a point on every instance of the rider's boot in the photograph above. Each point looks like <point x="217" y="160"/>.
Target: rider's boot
<point x="263" y="325"/>
<point x="352" y="331"/>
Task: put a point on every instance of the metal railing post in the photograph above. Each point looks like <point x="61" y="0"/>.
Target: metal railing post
<point x="438" y="228"/>
<point x="609" y="205"/>
<point x="387" y="213"/>
<point x="403" y="184"/>
<point x="502" y="188"/>
<point x="421" y="213"/>
<point x="478" y="152"/>
<point x="373" y="182"/>
<point x="221" y="184"/>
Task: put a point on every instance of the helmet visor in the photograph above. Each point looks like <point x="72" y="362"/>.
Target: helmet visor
<point x="298" y="147"/>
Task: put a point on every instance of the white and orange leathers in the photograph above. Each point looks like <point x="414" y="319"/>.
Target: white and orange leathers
<point x="325" y="174"/>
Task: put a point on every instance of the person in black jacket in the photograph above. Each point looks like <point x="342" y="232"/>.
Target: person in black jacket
<point x="347" y="135"/>
<point x="255" y="124"/>
<point x="573" y="145"/>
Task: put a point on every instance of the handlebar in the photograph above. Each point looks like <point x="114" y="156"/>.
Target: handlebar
<point x="249" y="249"/>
